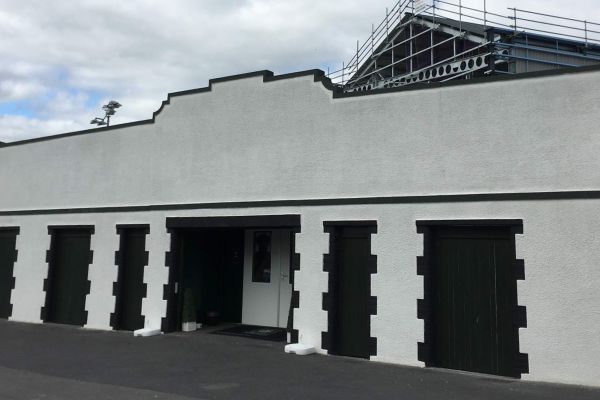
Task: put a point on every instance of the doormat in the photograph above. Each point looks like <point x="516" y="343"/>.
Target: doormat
<point x="255" y="332"/>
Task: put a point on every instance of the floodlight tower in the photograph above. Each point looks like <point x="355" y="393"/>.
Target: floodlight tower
<point x="109" y="110"/>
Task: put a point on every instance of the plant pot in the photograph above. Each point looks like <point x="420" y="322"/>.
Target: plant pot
<point x="188" y="326"/>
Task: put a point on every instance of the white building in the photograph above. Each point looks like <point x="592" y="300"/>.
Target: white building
<point x="456" y="225"/>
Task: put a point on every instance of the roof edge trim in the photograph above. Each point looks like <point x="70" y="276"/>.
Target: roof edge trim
<point x="268" y="76"/>
<point x="319" y="76"/>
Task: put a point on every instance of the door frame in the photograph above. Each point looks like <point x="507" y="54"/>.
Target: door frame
<point x="175" y="225"/>
<point x="50" y="258"/>
<point x="122" y="231"/>
<point x="329" y="299"/>
<point x="12" y="231"/>
<point x="425" y="268"/>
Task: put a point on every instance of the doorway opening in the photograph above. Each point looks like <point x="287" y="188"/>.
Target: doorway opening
<point x="130" y="289"/>
<point x="210" y="271"/>
<point x="67" y="284"/>
<point x="236" y="270"/>
<point x="348" y="302"/>
<point x="470" y="309"/>
<point x="8" y="257"/>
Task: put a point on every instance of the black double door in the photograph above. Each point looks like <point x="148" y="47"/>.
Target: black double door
<point x="8" y="240"/>
<point x="130" y="282"/>
<point x="474" y="300"/>
<point x="67" y="284"/>
<point x="350" y="289"/>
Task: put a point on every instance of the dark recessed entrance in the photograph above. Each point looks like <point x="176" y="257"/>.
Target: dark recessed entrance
<point x="67" y="284"/>
<point x="212" y="261"/>
<point x="211" y="269"/>
<point x="470" y="307"/>
<point x="8" y="256"/>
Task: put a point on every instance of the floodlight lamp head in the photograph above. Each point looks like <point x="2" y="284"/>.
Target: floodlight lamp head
<point x="109" y="110"/>
<point x="98" y="121"/>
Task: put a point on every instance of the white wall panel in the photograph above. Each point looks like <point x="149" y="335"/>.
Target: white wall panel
<point x="30" y="270"/>
<point x="288" y="139"/>
<point x="102" y="273"/>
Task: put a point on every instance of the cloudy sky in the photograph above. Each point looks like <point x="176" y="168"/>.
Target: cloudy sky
<point x="61" y="60"/>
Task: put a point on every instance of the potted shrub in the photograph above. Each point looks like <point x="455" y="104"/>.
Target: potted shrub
<point x="188" y="317"/>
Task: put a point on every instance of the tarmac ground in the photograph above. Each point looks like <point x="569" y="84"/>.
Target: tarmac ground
<point x="53" y="362"/>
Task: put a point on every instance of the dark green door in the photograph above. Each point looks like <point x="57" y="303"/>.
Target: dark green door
<point x="351" y="325"/>
<point x="8" y="239"/>
<point x="68" y="271"/>
<point x="130" y="284"/>
<point x="474" y="293"/>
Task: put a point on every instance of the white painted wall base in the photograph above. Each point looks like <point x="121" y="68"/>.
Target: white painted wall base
<point x="300" y="349"/>
<point x="146" y="332"/>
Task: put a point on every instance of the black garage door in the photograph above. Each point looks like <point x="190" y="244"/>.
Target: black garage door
<point x="67" y="284"/>
<point x="474" y="300"/>
<point x="131" y="288"/>
<point x="8" y="238"/>
<point x="349" y="298"/>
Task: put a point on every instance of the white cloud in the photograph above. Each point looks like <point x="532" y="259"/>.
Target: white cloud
<point x="16" y="127"/>
<point x="18" y="90"/>
<point x="137" y="51"/>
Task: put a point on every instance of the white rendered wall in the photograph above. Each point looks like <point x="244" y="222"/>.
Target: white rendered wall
<point x="102" y="273"/>
<point x="248" y="140"/>
<point x="560" y="246"/>
<point x="289" y="139"/>
<point x="30" y="270"/>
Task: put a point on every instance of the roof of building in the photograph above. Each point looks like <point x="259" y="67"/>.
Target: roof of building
<point x="477" y="29"/>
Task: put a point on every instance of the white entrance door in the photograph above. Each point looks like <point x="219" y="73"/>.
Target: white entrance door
<point x="267" y="288"/>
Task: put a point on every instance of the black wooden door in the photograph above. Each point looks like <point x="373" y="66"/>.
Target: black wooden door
<point x="131" y="287"/>
<point x="8" y="240"/>
<point x="351" y="317"/>
<point x="474" y="301"/>
<point x="68" y="271"/>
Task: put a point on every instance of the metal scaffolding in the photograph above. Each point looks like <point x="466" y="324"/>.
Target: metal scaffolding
<point x="439" y="41"/>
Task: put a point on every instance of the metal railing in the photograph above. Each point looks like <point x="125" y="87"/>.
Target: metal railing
<point x="385" y="38"/>
<point x="378" y="35"/>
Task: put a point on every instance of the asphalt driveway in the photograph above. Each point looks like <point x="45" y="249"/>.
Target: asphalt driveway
<point x="60" y="362"/>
